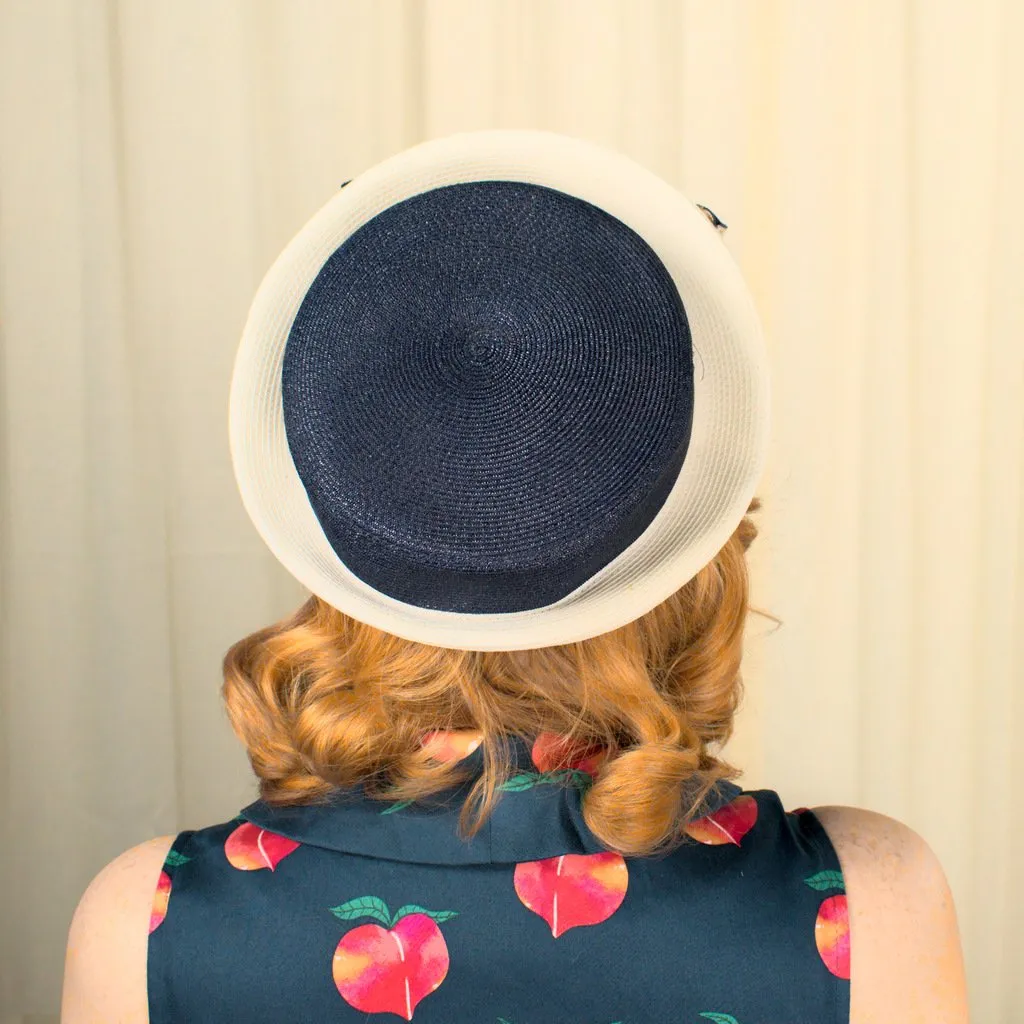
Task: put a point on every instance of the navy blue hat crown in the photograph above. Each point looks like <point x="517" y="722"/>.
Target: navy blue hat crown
<point x="488" y="394"/>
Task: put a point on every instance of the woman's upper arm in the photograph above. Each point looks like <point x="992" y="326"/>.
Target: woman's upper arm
<point x="906" y="957"/>
<point x="105" y="966"/>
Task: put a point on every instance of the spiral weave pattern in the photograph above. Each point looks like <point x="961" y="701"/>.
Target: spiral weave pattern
<point x="488" y="395"/>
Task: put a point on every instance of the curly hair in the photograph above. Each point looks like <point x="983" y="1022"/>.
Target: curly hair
<point x="323" y="701"/>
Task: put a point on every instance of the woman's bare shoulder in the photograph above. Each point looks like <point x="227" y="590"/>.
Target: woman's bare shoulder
<point x="105" y="965"/>
<point x="906" y="959"/>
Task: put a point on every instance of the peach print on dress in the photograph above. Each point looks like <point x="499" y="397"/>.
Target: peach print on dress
<point x="574" y="889"/>
<point x="451" y="745"/>
<point x="160" y="898"/>
<point x="163" y="889"/>
<point x="549" y="751"/>
<point x="389" y="967"/>
<point x="729" y="824"/>
<point x="251" y="848"/>
<point x="832" y="924"/>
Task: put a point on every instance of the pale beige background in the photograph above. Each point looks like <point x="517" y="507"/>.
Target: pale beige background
<point x="868" y="159"/>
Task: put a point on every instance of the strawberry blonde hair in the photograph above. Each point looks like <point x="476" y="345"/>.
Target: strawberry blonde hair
<point x="321" y="701"/>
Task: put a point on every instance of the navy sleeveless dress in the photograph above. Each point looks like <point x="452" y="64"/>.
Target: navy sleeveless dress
<point x="363" y="911"/>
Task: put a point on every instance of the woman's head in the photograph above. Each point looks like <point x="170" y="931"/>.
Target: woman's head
<point x="321" y="701"/>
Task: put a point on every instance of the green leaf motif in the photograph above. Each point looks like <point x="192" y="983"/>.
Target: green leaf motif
<point x="556" y="775"/>
<point x="826" y="880"/>
<point x="720" y="1018"/>
<point x="526" y="780"/>
<point x="409" y="908"/>
<point x="363" y="906"/>
<point x="175" y="859"/>
<point x="442" y="915"/>
<point x="436" y="915"/>
<point x="396" y="807"/>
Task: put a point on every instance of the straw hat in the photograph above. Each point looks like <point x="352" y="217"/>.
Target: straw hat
<point x="506" y="389"/>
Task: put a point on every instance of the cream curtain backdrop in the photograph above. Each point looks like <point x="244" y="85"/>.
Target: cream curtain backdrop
<point x="867" y="157"/>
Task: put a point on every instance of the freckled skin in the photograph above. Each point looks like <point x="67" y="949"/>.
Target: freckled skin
<point x="902" y="919"/>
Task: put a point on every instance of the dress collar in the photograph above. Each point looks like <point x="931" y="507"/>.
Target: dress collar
<point x="538" y="814"/>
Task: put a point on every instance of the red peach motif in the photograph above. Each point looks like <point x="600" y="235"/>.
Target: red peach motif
<point x="832" y="935"/>
<point x="389" y="967"/>
<point x="451" y="745"/>
<point x="251" y="848"/>
<point x="573" y="889"/>
<point x="551" y="752"/>
<point x="160" y="899"/>
<point x="729" y="824"/>
<point x="832" y="924"/>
